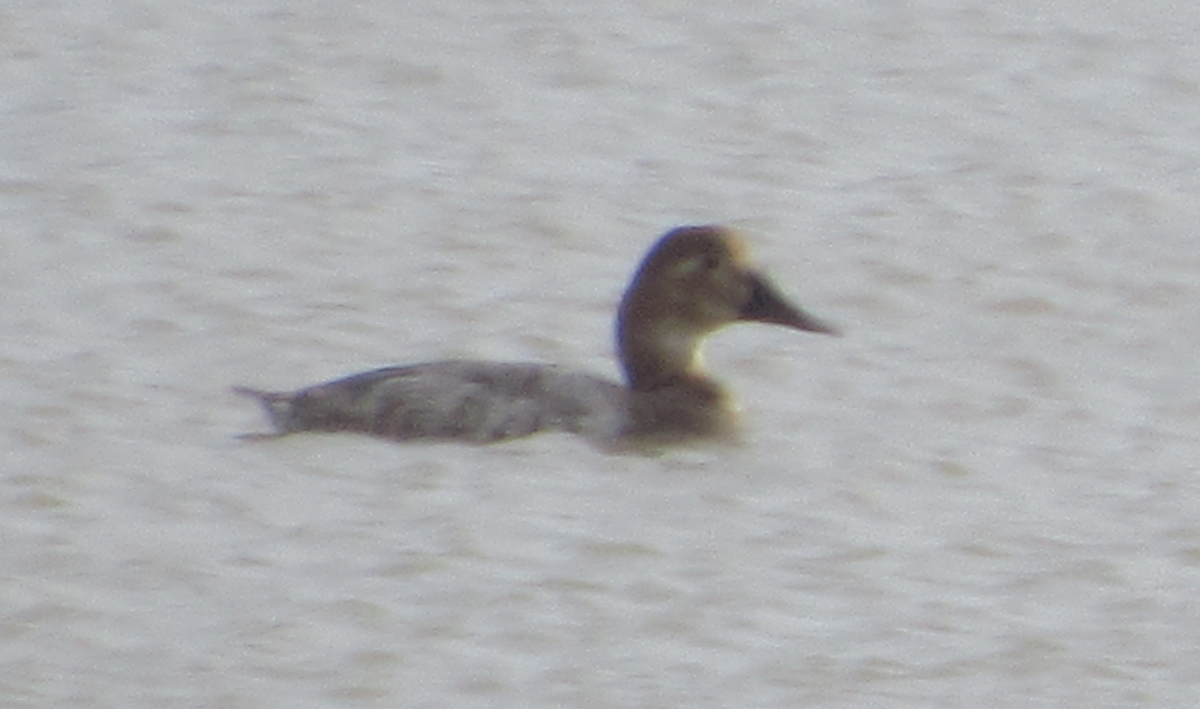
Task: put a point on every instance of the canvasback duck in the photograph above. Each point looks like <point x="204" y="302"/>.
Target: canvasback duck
<point x="694" y="281"/>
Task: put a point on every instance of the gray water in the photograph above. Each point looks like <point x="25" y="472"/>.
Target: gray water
<point x="983" y="495"/>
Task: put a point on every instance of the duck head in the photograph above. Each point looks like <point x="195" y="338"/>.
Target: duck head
<point x="694" y="281"/>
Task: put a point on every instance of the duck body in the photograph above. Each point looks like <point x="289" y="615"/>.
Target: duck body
<point x="467" y="400"/>
<point x="694" y="281"/>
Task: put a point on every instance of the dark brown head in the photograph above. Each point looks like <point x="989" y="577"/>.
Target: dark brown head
<point x="695" y="280"/>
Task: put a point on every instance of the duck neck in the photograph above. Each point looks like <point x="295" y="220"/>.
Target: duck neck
<point x="658" y="354"/>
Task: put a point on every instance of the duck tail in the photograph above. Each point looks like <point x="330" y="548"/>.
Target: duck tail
<point x="278" y="405"/>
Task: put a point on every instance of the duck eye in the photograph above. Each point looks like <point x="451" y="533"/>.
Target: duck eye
<point x="697" y="264"/>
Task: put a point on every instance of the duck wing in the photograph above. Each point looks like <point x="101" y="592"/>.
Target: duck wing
<point x="459" y="399"/>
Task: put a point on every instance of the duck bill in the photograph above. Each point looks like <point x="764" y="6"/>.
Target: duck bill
<point x="766" y="305"/>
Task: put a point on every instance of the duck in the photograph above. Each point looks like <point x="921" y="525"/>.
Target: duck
<point x="693" y="281"/>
